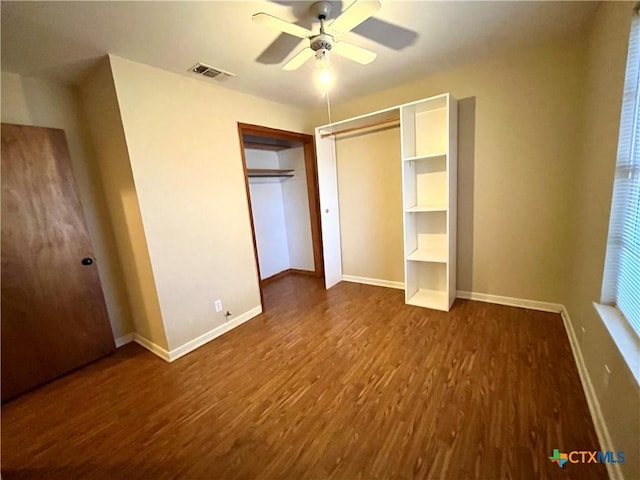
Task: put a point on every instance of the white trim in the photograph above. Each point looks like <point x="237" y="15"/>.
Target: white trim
<point x="384" y="110"/>
<point x="123" y="340"/>
<point x="511" y="302"/>
<point x="623" y="335"/>
<point x="191" y="345"/>
<point x="152" y="347"/>
<point x="613" y="469"/>
<point x="373" y="281"/>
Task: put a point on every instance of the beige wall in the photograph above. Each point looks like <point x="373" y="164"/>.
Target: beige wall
<point x="103" y="116"/>
<point x="370" y="200"/>
<point x="295" y="197"/>
<point x="29" y="101"/>
<point x="183" y="143"/>
<point x="518" y="146"/>
<point x="604" y="80"/>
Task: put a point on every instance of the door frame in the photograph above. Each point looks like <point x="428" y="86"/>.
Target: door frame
<point x="311" y="170"/>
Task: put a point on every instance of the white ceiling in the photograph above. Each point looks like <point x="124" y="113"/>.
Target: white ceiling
<point x="63" y="40"/>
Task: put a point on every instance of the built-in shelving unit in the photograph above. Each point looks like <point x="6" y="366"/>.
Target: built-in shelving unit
<point x="269" y="172"/>
<point x="429" y="139"/>
<point x="428" y="130"/>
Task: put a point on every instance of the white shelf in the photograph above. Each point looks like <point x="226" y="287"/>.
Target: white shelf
<point x="436" y="299"/>
<point x="426" y="157"/>
<point x="426" y="208"/>
<point x="436" y="255"/>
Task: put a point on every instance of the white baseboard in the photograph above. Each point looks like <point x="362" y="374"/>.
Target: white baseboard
<point x="123" y="340"/>
<point x="181" y="351"/>
<point x="152" y="347"/>
<point x="373" y="281"/>
<point x="190" y="346"/>
<point x="510" y="301"/>
<point x="613" y="469"/>
<point x="480" y="297"/>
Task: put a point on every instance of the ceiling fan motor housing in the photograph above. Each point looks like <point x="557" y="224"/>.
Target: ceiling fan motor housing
<point x="321" y="45"/>
<point x="321" y="42"/>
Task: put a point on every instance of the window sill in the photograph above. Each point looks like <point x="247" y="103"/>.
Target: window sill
<point x="623" y="336"/>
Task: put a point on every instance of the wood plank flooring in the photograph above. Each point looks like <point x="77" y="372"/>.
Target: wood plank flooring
<point x="348" y="384"/>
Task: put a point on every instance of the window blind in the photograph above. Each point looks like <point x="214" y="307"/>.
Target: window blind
<point x="621" y="284"/>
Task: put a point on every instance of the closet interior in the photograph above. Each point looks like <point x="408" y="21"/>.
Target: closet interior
<point x="282" y="193"/>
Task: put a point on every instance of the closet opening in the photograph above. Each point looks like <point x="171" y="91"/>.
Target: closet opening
<point x="281" y="181"/>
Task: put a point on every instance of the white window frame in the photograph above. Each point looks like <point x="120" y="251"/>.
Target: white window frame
<point x="625" y="333"/>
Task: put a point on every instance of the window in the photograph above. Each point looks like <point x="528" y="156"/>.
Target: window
<point x="621" y="284"/>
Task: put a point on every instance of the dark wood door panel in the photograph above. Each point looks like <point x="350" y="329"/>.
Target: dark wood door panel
<point x="54" y="317"/>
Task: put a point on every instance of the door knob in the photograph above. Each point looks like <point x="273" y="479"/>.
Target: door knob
<point x="326" y="210"/>
<point x="87" y="261"/>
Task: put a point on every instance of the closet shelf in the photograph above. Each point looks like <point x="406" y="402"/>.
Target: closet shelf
<point x="426" y="208"/>
<point x="436" y="255"/>
<point x="437" y="299"/>
<point x="426" y="157"/>
<point x="267" y="173"/>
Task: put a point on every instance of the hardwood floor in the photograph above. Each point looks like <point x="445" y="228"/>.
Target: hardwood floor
<point x="348" y="384"/>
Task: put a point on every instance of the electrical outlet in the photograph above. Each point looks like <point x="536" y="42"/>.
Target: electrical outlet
<point x="607" y="376"/>
<point x="218" y="304"/>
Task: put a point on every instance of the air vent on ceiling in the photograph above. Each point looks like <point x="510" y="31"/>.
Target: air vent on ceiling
<point x="211" y="72"/>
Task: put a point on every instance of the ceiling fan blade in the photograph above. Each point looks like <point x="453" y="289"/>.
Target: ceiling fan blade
<point x="281" y="25"/>
<point x="353" y="16"/>
<point x="298" y="59"/>
<point x="279" y="49"/>
<point x="385" y="33"/>
<point x="354" y="52"/>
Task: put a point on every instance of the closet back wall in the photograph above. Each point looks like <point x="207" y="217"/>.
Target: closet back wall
<point x="280" y="209"/>
<point x="296" y="210"/>
<point x="268" y="215"/>
<point x="370" y="197"/>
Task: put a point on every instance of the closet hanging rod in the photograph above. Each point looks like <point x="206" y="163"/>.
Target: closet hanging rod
<point x="272" y="175"/>
<point x="353" y="129"/>
<point x="269" y="172"/>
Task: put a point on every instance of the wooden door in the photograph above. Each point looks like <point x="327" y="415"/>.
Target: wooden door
<point x="54" y="317"/>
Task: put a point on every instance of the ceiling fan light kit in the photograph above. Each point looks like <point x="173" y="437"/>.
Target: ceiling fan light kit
<point x="325" y="77"/>
<point x="321" y="44"/>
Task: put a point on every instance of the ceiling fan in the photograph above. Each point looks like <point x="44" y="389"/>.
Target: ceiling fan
<point x="320" y="44"/>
